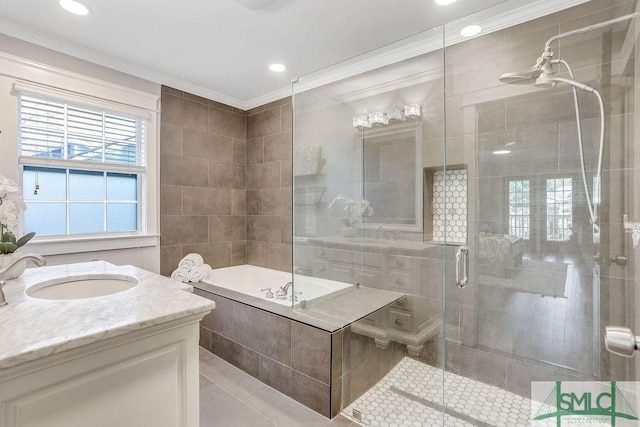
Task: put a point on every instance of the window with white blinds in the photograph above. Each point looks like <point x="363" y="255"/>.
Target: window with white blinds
<point x="52" y="129"/>
<point x="82" y="167"/>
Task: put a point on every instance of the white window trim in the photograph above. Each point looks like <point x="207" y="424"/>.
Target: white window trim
<point x="91" y="243"/>
<point x="42" y="79"/>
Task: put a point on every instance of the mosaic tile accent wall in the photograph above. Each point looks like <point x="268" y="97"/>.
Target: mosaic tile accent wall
<point x="450" y="212"/>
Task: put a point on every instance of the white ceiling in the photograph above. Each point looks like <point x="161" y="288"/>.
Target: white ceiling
<point x="220" y="49"/>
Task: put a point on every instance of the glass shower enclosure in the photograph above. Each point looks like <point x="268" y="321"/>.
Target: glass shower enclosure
<point x="492" y="214"/>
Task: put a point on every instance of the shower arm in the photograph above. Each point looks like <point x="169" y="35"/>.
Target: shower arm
<point x="547" y="46"/>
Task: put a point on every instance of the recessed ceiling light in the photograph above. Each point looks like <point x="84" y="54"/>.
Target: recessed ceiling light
<point x="445" y="2"/>
<point x="501" y="152"/>
<point x="75" y="7"/>
<point x="471" y="30"/>
<point x="278" y="68"/>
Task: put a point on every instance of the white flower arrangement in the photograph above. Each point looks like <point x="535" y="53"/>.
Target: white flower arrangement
<point x="11" y="206"/>
<point x="352" y="208"/>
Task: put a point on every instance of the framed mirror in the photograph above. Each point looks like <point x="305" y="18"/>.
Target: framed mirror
<point x="393" y="176"/>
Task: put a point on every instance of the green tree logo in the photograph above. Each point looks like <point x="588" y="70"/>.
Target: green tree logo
<point x="611" y="404"/>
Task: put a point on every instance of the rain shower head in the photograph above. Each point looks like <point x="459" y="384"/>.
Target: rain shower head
<point x="528" y="77"/>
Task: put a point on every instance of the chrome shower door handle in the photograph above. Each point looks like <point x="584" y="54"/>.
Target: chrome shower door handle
<point x="621" y="341"/>
<point x="462" y="263"/>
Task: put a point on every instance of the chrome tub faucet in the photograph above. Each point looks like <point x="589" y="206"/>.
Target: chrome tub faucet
<point x="283" y="291"/>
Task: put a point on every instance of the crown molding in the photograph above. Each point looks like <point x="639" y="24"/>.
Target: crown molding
<point x="268" y="97"/>
<point x="493" y="19"/>
<point x="38" y="38"/>
<point x="501" y="16"/>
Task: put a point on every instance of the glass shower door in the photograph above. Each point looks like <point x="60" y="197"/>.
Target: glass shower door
<point x="550" y="264"/>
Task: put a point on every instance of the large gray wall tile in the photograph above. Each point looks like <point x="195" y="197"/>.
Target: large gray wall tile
<point x="226" y="228"/>
<point x="217" y="255"/>
<point x="278" y="147"/>
<point x="184" y="113"/>
<point x="236" y="354"/>
<point x="227" y="123"/>
<point x="177" y="230"/>
<point x="277" y="201"/>
<point x="311" y="351"/>
<point x="263" y="123"/>
<point x="206" y="201"/>
<point x="170" y="200"/>
<point x="220" y="320"/>
<point x="180" y="171"/>
<point x="170" y="257"/>
<point x="205" y="145"/>
<point x="263" y="332"/>
<point x="302" y="388"/>
<point x="278" y="256"/>
<point x="171" y="139"/>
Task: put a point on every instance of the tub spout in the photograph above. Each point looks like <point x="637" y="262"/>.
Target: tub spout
<point x="37" y="260"/>
<point x="283" y="291"/>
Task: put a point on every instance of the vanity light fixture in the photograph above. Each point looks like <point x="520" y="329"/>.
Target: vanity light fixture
<point x="75" y="7"/>
<point x="378" y="119"/>
<point x="396" y="114"/>
<point x="278" y="68"/>
<point x="471" y="30"/>
<point x="501" y="152"/>
<point x="444" y="2"/>
<point x="361" y="122"/>
<point x="413" y="111"/>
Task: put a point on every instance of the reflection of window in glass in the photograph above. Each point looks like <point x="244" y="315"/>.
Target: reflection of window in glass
<point x="519" y="208"/>
<point x="559" y="209"/>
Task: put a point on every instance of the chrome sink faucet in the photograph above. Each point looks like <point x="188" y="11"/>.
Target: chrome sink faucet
<point x="283" y="291"/>
<point x="37" y="260"/>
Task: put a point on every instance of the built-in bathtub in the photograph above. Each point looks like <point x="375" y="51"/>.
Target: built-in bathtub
<point x="255" y="281"/>
<point x="297" y="350"/>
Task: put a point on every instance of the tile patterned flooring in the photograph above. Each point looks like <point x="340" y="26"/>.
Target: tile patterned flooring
<point x="230" y="397"/>
<point x="411" y="395"/>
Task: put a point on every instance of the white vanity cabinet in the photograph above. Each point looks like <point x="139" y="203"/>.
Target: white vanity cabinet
<point x="144" y="378"/>
<point x="110" y="362"/>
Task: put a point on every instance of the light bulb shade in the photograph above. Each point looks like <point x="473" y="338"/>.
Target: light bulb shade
<point x="413" y="111"/>
<point x="396" y="114"/>
<point x="361" y="122"/>
<point x="378" y="119"/>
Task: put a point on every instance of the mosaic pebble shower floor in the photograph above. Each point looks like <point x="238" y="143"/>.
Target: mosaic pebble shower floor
<point x="411" y="395"/>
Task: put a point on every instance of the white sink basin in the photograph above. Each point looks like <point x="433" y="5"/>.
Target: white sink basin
<point x="85" y="286"/>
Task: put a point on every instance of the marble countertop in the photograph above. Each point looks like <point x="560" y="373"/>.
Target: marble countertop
<point x="33" y="328"/>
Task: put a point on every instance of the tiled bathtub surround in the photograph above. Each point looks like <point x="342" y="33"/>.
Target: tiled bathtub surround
<point x="224" y="197"/>
<point x="301" y="361"/>
<point x="202" y="172"/>
<point x="268" y="185"/>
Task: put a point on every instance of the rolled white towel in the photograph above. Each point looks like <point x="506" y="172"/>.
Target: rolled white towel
<point x="191" y="261"/>
<point x="181" y="275"/>
<point x="199" y="273"/>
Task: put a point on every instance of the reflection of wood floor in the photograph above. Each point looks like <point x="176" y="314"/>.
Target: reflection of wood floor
<point x="524" y="337"/>
<point x="536" y="327"/>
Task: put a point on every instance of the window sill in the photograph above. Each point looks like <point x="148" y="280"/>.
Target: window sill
<point x="74" y="245"/>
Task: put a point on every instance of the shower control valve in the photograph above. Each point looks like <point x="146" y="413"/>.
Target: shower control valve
<point x="633" y="228"/>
